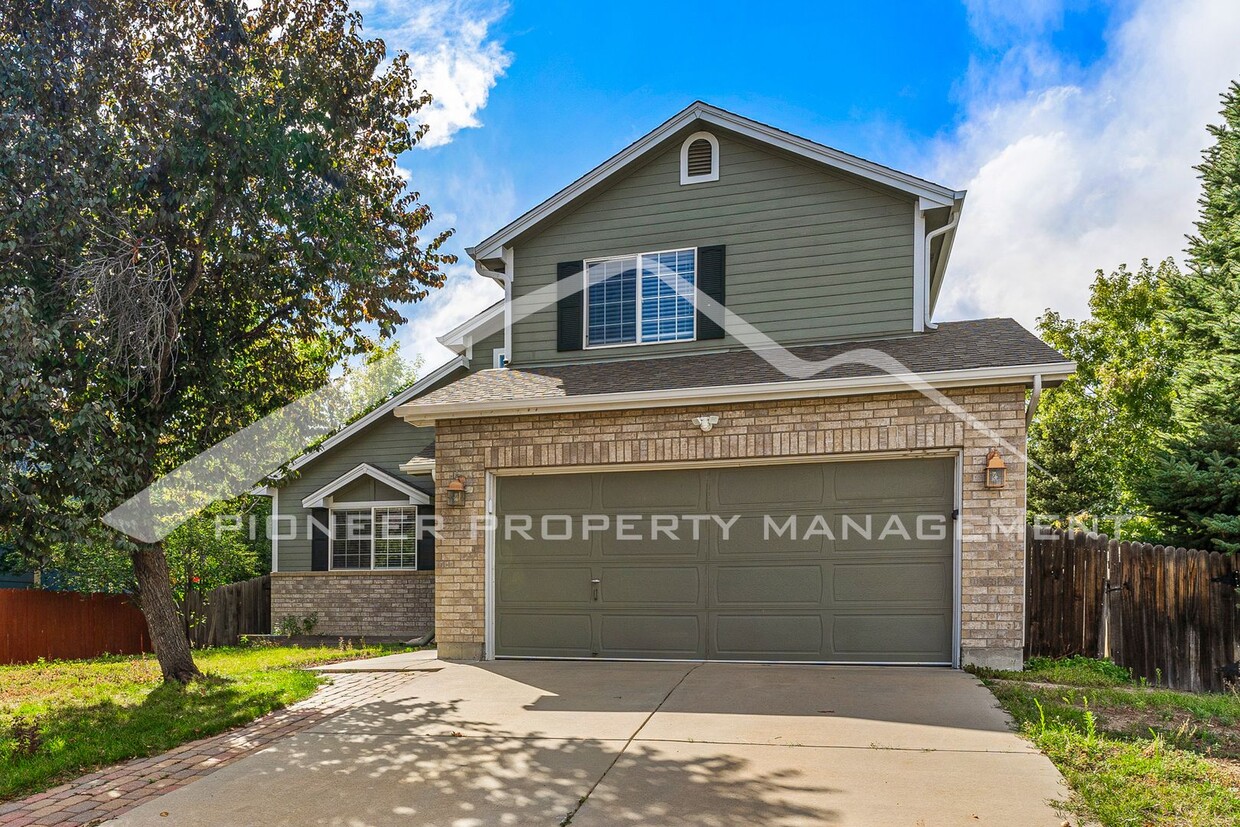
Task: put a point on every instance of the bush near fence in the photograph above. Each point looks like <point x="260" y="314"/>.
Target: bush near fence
<point x="66" y="625"/>
<point x="1171" y="615"/>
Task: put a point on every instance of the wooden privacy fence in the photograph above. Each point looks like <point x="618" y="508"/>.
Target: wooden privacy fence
<point x="1172" y="615"/>
<point x="63" y="625"/>
<point x="221" y="616"/>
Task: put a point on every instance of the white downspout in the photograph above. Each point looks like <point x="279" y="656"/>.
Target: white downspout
<point x="510" y="264"/>
<point x="953" y="219"/>
<point x="504" y="278"/>
<point x="1034" y="398"/>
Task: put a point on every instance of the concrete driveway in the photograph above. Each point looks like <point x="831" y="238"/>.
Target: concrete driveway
<point x="605" y="744"/>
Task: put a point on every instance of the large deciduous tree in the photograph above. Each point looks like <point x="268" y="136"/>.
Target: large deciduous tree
<point x="200" y="214"/>
<point x="1091" y="437"/>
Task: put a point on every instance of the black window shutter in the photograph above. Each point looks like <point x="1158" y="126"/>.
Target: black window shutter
<point x="710" y="280"/>
<point x="426" y="538"/>
<point x="569" y="306"/>
<point x="318" y="539"/>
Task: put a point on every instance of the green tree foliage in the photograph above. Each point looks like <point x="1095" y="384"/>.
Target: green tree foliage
<point x="1194" y="487"/>
<point x="200" y="216"/>
<point x="1206" y="311"/>
<point x="1091" y="435"/>
<point x="224" y="544"/>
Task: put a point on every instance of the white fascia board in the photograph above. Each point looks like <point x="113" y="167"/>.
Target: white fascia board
<point x="768" y="391"/>
<point x="417" y="389"/>
<point x="931" y="192"/>
<point x="484" y="324"/>
<point x="319" y="498"/>
<point x="945" y="251"/>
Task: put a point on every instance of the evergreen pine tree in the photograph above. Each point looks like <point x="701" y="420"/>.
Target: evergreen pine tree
<point x="1194" y="487"/>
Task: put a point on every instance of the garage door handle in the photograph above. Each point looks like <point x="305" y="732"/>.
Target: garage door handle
<point x="594" y="589"/>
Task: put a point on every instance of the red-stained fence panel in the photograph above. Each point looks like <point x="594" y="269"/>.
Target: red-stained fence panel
<point x="65" y="625"/>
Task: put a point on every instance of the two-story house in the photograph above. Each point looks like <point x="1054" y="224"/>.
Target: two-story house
<point x="712" y="418"/>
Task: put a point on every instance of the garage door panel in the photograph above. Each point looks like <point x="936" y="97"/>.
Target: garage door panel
<point x="647" y="585"/>
<point x="768" y="636"/>
<point x="674" y="537"/>
<point x="884" y="531"/>
<point x="782" y="534"/>
<point x="774" y="585"/>
<point x="545" y="634"/>
<point x="762" y="487"/>
<point x="892" y="637"/>
<point x="559" y="537"/>
<point x="539" y="552"/>
<point x="666" y="491"/>
<point x="522" y="586"/>
<point x="651" y="635"/>
<point x="545" y="493"/>
<point x="892" y="479"/>
<point x="893" y="583"/>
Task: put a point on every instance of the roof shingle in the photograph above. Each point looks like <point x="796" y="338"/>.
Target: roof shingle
<point x="966" y="345"/>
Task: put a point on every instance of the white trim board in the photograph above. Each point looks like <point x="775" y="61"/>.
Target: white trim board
<point x="422" y="415"/>
<point x="322" y="497"/>
<point x="934" y="194"/>
<point x="483" y="324"/>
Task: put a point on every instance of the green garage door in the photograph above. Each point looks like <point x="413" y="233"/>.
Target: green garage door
<point x="836" y="562"/>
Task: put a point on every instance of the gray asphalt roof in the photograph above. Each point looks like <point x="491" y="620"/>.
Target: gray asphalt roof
<point x="966" y="345"/>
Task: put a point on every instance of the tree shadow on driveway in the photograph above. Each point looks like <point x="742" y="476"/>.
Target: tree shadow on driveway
<point x="367" y="777"/>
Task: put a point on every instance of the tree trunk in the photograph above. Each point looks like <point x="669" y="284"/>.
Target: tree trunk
<point x="160" y="610"/>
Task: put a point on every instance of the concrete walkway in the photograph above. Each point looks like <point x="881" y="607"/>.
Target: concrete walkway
<point x="605" y="744"/>
<point x="99" y="796"/>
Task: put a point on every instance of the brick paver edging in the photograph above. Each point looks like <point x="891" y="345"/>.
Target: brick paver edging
<point x="107" y="793"/>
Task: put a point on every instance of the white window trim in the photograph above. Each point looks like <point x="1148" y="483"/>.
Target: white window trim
<point x="361" y="506"/>
<point x="585" y="302"/>
<point x="713" y="175"/>
<point x="499" y="358"/>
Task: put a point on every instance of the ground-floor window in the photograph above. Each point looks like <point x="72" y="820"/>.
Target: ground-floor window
<point x="378" y="537"/>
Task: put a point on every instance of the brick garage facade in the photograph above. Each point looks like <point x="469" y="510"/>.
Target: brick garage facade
<point x="992" y="520"/>
<point x="362" y="603"/>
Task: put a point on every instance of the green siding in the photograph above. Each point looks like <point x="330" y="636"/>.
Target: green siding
<point x="811" y="255"/>
<point x="386" y="443"/>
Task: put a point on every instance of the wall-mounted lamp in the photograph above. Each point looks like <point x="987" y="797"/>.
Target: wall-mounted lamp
<point x="455" y="492"/>
<point x="996" y="470"/>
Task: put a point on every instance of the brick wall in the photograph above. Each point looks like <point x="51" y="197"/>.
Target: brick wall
<point x="992" y="545"/>
<point x="388" y="604"/>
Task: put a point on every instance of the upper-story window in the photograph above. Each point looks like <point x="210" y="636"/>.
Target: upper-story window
<point x="699" y="158"/>
<point x="641" y="298"/>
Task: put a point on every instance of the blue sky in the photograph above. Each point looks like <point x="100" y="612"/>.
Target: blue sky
<point x="1074" y="125"/>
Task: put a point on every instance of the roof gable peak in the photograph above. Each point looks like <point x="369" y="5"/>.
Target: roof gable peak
<point x="931" y="194"/>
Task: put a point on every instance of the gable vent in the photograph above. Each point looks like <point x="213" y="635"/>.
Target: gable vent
<point x="700" y="154"/>
<point x="699" y="158"/>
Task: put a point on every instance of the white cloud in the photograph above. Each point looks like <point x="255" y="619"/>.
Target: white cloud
<point x="464" y="295"/>
<point x="451" y="53"/>
<point x="1073" y="176"/>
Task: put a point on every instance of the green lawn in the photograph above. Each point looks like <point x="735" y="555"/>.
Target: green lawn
<point x="61" y="719"/>
<point x="1133" y="755"/>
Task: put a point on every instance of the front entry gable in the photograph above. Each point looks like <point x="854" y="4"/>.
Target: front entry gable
<point x="366" y="483"/>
